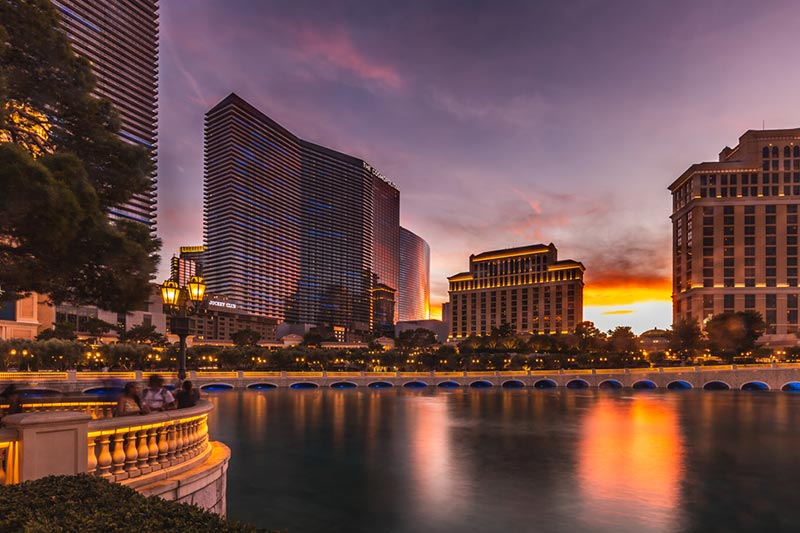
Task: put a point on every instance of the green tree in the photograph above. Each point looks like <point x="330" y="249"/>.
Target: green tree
<point x="62" y="168"/>
<point x="142" y="334"/>
<point x="416" y="338"/>
<point x="622" y="340"/>
<point x="60" y="330"/>
<point x="731" y="334"/>
<point x="685" y="338"/>
<point x="590" y="339"/>
<point x="245" y="337"/>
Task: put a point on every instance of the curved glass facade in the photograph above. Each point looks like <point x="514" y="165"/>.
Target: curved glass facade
<point x="414" y="294"/>
<point x="288" y="224"/>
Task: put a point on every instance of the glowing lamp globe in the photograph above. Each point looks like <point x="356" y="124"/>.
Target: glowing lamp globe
<point x="197" y="288"/>
<point x="170" y="292"/>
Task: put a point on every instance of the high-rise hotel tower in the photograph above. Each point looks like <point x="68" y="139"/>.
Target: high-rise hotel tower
<point x="527" y="288"/>
<point x="120" y="40"/>
<point x="291" y="226"/>
<point x="735" y="232"/>
<point x="414" y="294"/>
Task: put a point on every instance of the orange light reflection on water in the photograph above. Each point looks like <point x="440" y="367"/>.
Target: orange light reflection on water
<point x="630" y="463"/>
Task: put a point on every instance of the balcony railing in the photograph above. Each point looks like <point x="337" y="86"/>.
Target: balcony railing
<point x="133" y="450"/>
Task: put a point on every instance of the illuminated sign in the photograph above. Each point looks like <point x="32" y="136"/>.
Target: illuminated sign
<point x="372" y="170"/>
<point x="224" y="305"/>
<point x="193" y="249"/>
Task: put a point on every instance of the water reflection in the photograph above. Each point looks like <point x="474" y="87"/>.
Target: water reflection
<point x="630" y="463"/>
<point x="400" y="460"/>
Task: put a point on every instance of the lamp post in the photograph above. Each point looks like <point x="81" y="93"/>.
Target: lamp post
<point x="180" y="303"/>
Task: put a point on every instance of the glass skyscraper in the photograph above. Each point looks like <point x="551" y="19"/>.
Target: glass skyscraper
<point x="289" y="224"/>
<point x="414" y="292"/>
<point x="120" y="40"/>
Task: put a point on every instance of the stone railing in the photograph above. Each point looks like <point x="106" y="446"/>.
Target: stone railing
<point x="167" y="454"/>
<point x="8" y="452"/>
<point x="132" y="446"/>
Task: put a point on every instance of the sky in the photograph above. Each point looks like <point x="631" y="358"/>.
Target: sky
<point x="503" y="123"/>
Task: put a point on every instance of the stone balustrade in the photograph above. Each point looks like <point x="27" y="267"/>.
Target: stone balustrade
<point x="132" y="446"/>
<point x="167" y="454"/>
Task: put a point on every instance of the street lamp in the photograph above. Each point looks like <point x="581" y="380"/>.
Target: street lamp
<point x="179" y="304"/>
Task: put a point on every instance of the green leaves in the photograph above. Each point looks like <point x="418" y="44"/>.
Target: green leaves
<point x="90" y="504"/>
<point x="58" y="186"/>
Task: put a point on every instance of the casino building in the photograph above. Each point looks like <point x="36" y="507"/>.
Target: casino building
<point x="295" y="231"/>
<point x="735" y="234"/>
<point x="527" y="288"/>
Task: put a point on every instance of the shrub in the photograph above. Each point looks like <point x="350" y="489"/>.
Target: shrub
<point x="91" y="504"/>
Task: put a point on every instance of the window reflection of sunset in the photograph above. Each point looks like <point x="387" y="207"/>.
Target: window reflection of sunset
<point x="631" y="462"/>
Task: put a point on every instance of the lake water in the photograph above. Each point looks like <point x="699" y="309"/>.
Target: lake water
<point x="398" y="460"/>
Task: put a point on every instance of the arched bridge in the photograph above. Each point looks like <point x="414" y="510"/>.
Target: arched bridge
<point x="774" y="377"/>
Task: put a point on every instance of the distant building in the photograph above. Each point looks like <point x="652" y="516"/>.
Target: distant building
<point x="182" y="270"/>
<point x="414" y="291"/>
<point x="120" y="40"/>
<point x="151" y="313"/>
<point x="383" y="305"/>
<point x="290" y="226"/>
<point x="440" y="328"/>
<point x="386" y="240"/>
<point x="25" y="318"/>
<point x="735" y="233"/>
<point x="527" y="288"/>
<point x="220" y="317"/>
<point x="654" y="340"/>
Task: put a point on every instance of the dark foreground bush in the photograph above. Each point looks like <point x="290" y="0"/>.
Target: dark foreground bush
<point x="86" y="503"/>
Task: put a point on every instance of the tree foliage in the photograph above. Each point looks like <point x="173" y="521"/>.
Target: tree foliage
<point x="685" y="338"/>
<point x="245" y="337"/>
<point x="736" y="333"/>
<point x="62" y="168"/>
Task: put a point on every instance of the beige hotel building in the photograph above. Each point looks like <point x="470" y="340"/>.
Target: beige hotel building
<point x="735" y="237"/>
<point x="525" y="287"/>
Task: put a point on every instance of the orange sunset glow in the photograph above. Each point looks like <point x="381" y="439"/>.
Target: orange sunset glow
<point x="626" y="292"/>
<point x="631" y="461"/>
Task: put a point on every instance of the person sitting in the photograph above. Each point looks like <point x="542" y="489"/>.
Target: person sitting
<point x="130" y="403"/>
<point x="156" y="397"/>
<point x="187" y="396"/>
<point x="11" y="395"/>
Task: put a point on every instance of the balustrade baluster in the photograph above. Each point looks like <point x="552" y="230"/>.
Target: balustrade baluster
<point x="163" y="446"/>
<point x="144" y="451"/>
<point x="118" y="457"/>
<point x="92" y="458"/>
<point x="3" y="454"/>
<point x="152" y="444"/>
<point x="192" y="438"/>
<point x="131" y="454"/>
<point x="104" y="459"/>
<point x="180" y="443"/>
<point x="171" y="443"/>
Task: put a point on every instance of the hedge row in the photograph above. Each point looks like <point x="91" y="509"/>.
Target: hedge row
<point x="89" y="504"/>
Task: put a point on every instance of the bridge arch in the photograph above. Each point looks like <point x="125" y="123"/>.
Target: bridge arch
<point x="481" y="384"/>
<point x="101" y="391"/>
<point x="716" y="385"/>
<point x="215" y="387"/>
<point x="448" y="385"/>
<point x="343" y="385"/>
<point x="262" y="386"/>
<point x="755" y="386"/>
<point x="513" y="384"/>
<point x="645" y="384"/>
<point x="380" y="385"/>
<point x="577" y="383"/>
<point x="610" y="384"/>
<point x="545" y="384"/>
<point x="304" y="385"/>
<point x="679" y="385"/>
<point x="39" y="392"/>
<point x="415" y="385"/>
<point x="792" y="386"/>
